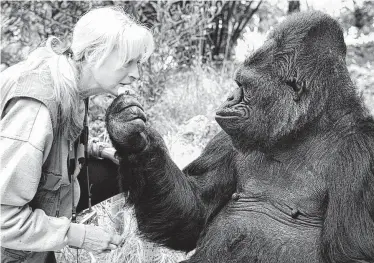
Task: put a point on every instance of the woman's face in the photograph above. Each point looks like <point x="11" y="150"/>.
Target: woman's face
<point x="107" y="78"/>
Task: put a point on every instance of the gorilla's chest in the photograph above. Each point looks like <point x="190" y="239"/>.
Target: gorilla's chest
<point x="289" y="190"/>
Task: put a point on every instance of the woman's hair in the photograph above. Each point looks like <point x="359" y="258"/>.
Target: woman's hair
<point x="95" y="35"/>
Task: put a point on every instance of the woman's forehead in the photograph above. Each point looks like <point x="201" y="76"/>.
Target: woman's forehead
<point x="125" y="57"/>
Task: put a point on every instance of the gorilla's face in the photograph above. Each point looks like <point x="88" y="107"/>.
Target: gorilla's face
<point x="263" y="106"/>
<point x="284" y="85"/>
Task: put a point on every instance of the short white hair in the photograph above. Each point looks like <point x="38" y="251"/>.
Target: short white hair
<point x="102" y="30"/>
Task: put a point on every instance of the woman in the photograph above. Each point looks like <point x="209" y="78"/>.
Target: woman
<point x="42" y="113"/>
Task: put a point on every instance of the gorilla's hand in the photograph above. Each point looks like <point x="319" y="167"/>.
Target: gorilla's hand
<point x="125" y="122"/>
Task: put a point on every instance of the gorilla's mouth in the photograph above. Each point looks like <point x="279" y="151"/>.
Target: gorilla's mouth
<point x="238" y="110"/>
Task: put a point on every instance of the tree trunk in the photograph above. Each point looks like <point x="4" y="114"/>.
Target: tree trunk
<point x="293" y="6"/>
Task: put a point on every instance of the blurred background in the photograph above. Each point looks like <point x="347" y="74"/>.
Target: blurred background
<point x="198" y="46"/>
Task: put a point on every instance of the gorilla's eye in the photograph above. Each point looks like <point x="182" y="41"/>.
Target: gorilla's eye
<point x="297" y="86"/>
<point x="294" y="85"/>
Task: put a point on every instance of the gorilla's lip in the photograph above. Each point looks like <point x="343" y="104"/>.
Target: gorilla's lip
<point x="238" y="111"/>
<point x="229" y="113"/>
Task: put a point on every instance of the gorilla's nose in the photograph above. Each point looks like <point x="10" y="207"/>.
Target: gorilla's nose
<point x="234" y="98"/>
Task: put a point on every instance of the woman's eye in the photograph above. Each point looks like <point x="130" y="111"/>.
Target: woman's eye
<point x="128" y="64"/>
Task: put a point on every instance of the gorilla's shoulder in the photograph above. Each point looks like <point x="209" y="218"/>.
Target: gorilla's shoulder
<point x="355" y="142"/>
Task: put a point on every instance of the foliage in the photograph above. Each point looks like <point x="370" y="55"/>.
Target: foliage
<point x="228" y="26"/>
<point x="25" y="25"/>
<point x="360" y="16"/>
<point x="204" y="29"/>
<point x="188" y="33"/>
<point x="177" y="29"/>
<point x="360" y="60"/>
<point x="293" y="6"/>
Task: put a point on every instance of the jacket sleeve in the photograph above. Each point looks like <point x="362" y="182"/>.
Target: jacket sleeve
<point x="26" y="138"/>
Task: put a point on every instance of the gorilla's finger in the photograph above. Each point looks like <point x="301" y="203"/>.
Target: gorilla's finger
<point x="131" y="113"/>
<point x="123" y="102"/>
<point x="133" y="126"/>
<point x="135" y="143"/>
<point x="121" y="131"/>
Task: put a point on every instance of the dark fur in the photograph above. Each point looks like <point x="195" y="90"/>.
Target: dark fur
<point x="300" y="159"/>
<point x="103" y="181"/>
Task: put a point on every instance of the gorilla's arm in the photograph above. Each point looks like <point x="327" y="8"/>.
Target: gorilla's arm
<point x="103" y="181"/>
<point x="172" y="206"/>
<point x="348" y="231"/>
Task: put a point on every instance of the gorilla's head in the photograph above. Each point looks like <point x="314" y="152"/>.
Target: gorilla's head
<point x="288" y="83"/>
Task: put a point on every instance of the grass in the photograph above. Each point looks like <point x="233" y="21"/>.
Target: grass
<point x="188" y="94"/>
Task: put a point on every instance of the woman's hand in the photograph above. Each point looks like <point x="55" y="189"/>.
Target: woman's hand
<point x="104" y="150"/>
<point x="100" y="240"/>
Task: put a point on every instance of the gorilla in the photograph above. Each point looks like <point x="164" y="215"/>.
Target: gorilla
<point x="290" y="178"/>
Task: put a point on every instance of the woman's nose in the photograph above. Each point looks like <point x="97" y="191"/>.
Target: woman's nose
<point x="134" y="73"/>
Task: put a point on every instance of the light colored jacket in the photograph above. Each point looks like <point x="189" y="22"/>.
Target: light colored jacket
<point x="35" y="190"/>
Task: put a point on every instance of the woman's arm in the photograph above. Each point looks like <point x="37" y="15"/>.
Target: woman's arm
<point x="26" y="138"/>
<point x="99" y="149"/>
